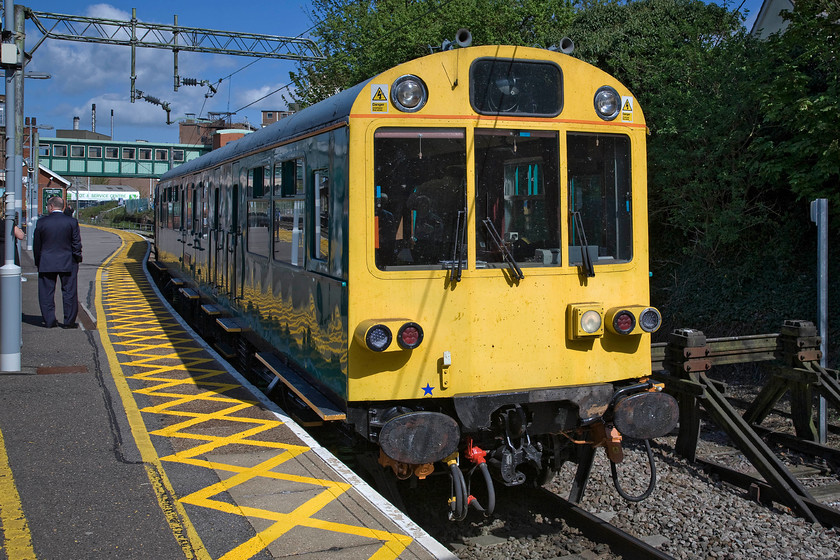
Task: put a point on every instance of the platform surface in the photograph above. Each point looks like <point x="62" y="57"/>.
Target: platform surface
<point x="130" y="438"/>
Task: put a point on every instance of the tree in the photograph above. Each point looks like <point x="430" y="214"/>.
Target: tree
<point x="800" y="103"/>
<point x="364" y="38"/>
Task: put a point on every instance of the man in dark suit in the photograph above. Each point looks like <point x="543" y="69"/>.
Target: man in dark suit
<point x="57" y="247"/>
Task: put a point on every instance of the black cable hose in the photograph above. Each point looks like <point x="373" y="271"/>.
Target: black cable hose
<point x="460" y="493"/>
<point x="651" y="485"/>
<point x="491" y="491"/>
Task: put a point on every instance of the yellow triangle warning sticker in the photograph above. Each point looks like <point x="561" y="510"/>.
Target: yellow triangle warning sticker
<point x="627" y="106"/>
<point x="379" y="96"/>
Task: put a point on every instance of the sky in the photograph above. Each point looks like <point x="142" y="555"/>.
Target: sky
<point x="83" y="74"/>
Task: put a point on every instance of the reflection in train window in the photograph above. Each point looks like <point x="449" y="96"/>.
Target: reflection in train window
<point x="289" y="212"/>
<point x="259" y="211"/>
<point x="517" y="197"/>
<point x="599" y="197"/>
<point x="419" y="190"/>
<point x="321" y="198"/>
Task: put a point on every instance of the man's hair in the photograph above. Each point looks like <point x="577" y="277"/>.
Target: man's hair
<point x="56" y="202"/>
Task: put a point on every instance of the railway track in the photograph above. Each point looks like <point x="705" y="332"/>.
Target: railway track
<point x="540" y="524"/>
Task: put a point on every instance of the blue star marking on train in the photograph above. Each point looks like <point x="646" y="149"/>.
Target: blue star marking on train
<point x="427" y="390"/>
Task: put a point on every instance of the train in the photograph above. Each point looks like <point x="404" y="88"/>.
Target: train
<point x="453" y="254"/>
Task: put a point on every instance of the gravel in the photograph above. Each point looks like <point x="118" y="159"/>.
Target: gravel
<point x="690" y="515"/>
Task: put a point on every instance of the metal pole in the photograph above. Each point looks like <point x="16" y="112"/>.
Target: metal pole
<point x="819" y="215"/>
<point x="10" y="293"/>
<point x="34" y="185"/>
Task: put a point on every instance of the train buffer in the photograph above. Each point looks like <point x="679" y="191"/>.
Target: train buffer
<point x="322" y="406"/>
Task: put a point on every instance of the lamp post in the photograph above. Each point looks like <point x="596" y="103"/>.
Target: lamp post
<point x="32" y="190"/>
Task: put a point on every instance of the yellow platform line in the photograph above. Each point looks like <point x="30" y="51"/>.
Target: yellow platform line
<point x="181" y="526"/>
<point x="172" y="373"/>
<point x="17" y="540"/>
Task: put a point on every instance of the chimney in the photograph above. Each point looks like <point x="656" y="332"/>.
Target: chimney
<point x="75" y="123"/>
<point x="93" y="117"/>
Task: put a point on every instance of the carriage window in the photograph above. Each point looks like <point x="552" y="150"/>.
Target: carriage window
<point x="289" y="212"/>
<point x="517" y="197"/>
<point x="321" y="221"/>
<point x="419" y="190"/>
<point x="599" y="198"/>
<point x="259" y="210"/>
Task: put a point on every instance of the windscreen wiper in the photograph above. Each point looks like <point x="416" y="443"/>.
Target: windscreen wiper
<point x="458" y="251"/>
<point x="506" y="254"/>
<point x="585" y="259"/>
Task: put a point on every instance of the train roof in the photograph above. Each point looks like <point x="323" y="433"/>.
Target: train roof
<point x="332" y="110"/>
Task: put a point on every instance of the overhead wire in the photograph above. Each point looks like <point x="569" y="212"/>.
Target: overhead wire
<point x="392" y="34"/>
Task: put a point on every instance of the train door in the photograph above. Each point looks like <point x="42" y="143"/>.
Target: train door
<point x="214" y="244"/>
<point x="188" y="231"/>
<point x="234" y="233"/>
<point x="199" y="226"/>
<point x="182" y="217"/>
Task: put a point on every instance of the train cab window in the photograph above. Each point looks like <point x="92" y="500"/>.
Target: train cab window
<point x="600" y="204"/>
<point x="289" y="212"/>
<point x="259" y="211"/>
<point x="500" y="86"/>
<point x="321" y="218"/>
<point x="517" y="197"/>
<point x="419" y="194"/>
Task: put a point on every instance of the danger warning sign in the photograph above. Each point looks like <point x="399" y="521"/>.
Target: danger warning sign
<point x="379" y="98"/>
<point x="627" y="109"/>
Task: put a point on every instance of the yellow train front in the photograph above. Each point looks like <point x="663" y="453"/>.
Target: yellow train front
<point x="498" y="285"/>
<point x="454" y="252"/>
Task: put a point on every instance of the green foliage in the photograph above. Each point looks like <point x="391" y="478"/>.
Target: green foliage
<point x="363" y="38"/>
<point x="743" y="132"/>
<point x="800" y="104"/>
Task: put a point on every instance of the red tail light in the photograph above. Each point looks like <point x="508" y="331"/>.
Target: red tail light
<point x="624" y="322"/>
<point x="410" y="336"/>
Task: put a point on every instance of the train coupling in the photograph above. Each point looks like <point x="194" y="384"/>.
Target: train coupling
<point x="404" y="471"/>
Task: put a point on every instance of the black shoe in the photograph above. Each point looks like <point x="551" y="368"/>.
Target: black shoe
<point x="70" y="326"/>
<point x="51" y="325"/>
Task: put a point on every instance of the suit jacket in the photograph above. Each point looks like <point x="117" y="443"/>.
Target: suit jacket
<point x="57" y="243"/>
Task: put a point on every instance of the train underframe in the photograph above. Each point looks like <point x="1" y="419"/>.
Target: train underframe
<point x="516" y="438"/>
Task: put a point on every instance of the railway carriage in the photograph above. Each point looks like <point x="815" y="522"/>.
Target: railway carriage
<point x="453" y="253"/>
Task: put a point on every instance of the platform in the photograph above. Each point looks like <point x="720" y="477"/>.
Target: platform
<point x="131" y="436"/>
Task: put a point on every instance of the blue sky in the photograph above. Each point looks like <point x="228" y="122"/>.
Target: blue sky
<point x="84" y="74"/>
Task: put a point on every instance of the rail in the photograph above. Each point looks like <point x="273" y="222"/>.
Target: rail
<point x="681" y="364"/>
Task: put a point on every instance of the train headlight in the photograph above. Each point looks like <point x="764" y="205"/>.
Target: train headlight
<point x="378" y="338"/>
<point x="585" y="320"/>
<point x="409" y="94"/>
<point x="590" y="321"/>
<point x="377" y="335"/>
<point x="607" y="103"/>
<point x="650" y="319"/>
<point x="633" y="320"/>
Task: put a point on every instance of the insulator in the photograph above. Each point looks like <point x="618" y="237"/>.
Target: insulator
<point x="190" y="81"/>
<point x="151" y="99"/>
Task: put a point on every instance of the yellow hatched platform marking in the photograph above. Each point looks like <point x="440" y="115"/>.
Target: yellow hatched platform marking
<point x="188" y="387"/>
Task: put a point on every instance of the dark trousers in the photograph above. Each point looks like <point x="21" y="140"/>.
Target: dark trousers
<point x="46" y="295"/>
